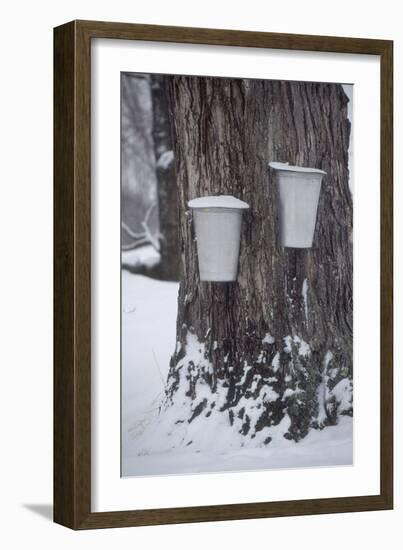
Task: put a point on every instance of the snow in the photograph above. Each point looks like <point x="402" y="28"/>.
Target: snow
<point x="268" y="339"/>
<point x="323" y="392"/>
<point x="165" y="160"/>
<point x="343" y="392"/>
<point x="303" y="348"/>
<point x="144" y="256"/>
<point x="284" y="166"/>
<point x="296" y="341"/>
<point x="328" y="357"/>
<point x="219" y="201"/>
<point x="331" y="446"/>
<point x="159" y="444"/>
<point x="305" y="297"/>
<point x="148" y="309"/>
<point x="276" y="362"/>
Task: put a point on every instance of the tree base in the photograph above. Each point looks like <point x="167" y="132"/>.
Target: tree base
<point x="263" y="406"/>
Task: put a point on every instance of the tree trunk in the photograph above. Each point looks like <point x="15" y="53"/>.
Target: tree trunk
<point x="169" y="268"/>
<point x="269" y="355"/>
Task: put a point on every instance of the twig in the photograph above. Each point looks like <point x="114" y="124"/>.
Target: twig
<point x="132" y="310"/>
<point x="146" y="236"/>
<point x="158" y="367"/>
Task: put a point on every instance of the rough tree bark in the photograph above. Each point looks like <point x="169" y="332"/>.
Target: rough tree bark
<point x="272" y="352"/>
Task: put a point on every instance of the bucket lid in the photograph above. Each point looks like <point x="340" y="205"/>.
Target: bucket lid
<point x="289" y="168"/>
<point x="218" y="201"/>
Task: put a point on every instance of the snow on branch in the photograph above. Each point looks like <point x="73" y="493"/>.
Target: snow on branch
<point x="165" y="160"/>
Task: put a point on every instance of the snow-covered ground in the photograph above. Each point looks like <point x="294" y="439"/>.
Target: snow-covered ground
<point x="148" y="341"/>
<point x="145" y="256"/>
<point x="149" y="310"/>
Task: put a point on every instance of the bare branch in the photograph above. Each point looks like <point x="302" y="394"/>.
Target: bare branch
<point x="145" y="237"/>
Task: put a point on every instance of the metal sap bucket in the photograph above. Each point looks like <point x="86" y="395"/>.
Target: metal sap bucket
<point x="217" y="222"/>
<point x="298" y="197"/>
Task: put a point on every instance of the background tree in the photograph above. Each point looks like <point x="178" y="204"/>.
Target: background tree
<point x="149" y="195"/>
<point x="271" y="355"/>
<point x="139" y="181"/>
<point x="170" y="264"/>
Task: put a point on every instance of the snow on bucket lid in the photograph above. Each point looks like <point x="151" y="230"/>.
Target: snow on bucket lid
<point x="218" y="201"/>
<point x="289" y="168"/>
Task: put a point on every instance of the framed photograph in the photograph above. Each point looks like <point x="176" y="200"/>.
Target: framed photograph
<point x="222" y="275"/>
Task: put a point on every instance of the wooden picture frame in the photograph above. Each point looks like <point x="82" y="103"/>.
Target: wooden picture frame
<point x="72" y="271"/>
